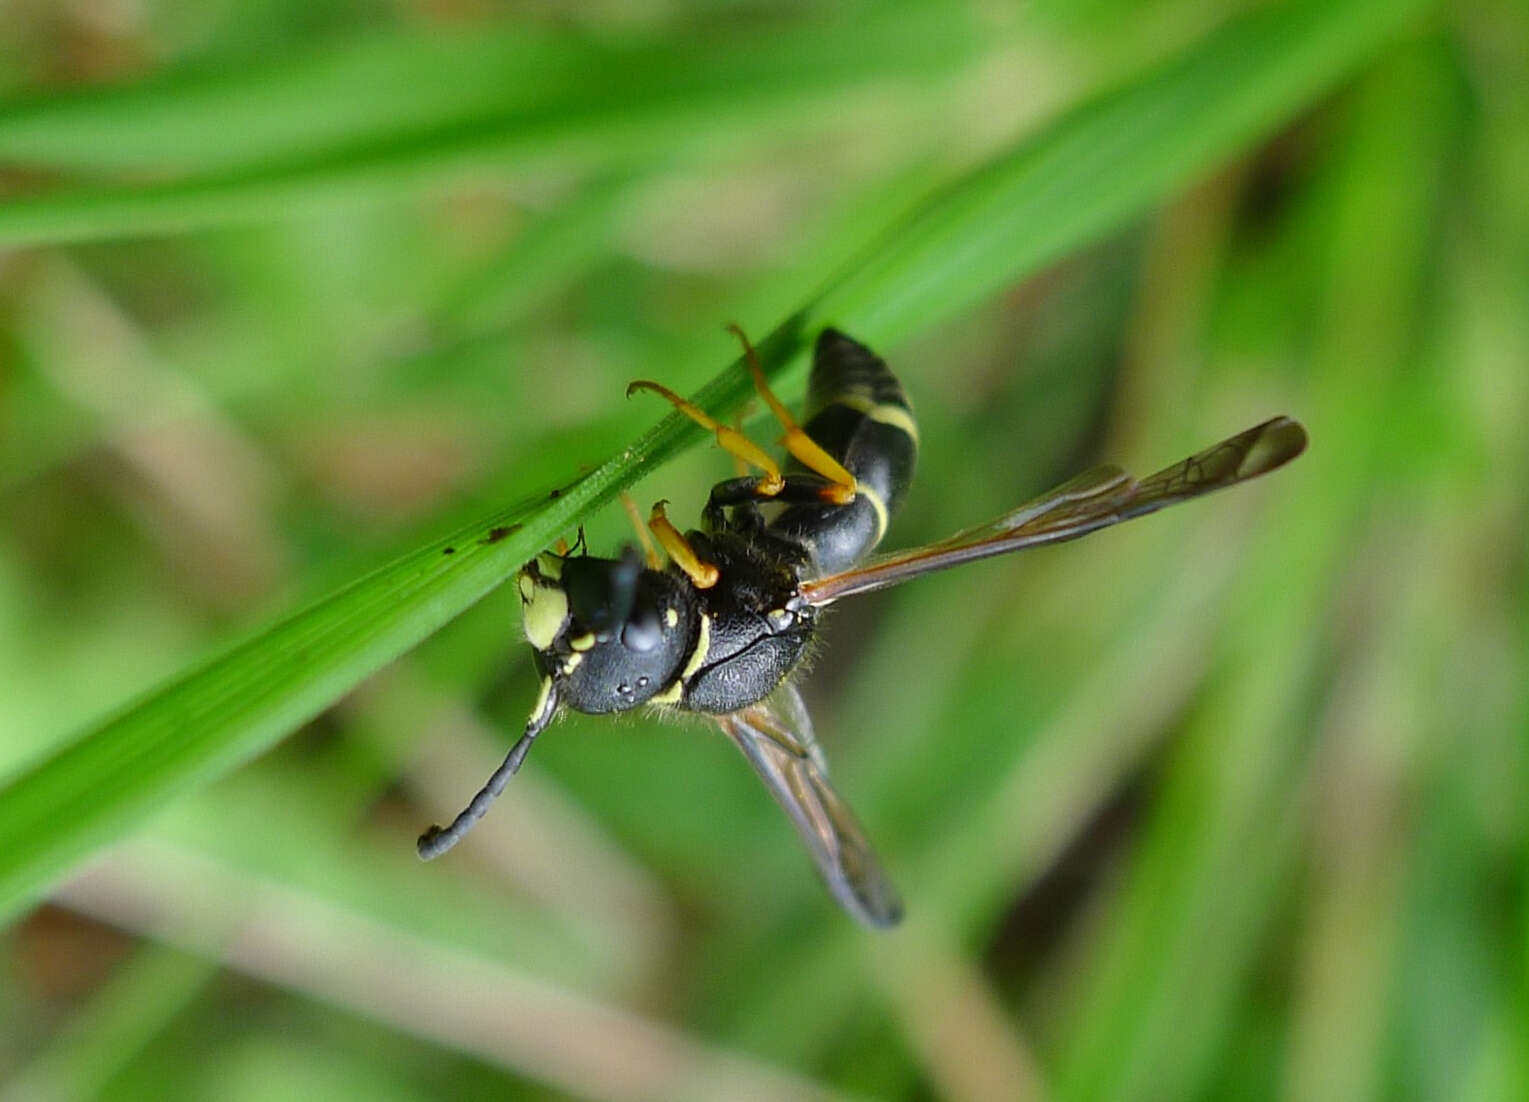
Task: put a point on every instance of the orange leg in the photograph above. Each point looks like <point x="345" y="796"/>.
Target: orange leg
<point x="740" y="468"/>
<point x="731" y="440"/>
<point x="806" y="450"/>
<point x="649" y="552"/>
<point x="703" y="574"/>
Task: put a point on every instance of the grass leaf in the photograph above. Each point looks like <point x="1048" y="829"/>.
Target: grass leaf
<point x="312" y="130"/>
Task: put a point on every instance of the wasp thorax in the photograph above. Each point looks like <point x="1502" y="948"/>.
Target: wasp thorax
<point x="610" y="633"/>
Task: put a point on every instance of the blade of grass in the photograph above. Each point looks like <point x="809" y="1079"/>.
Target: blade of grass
<point x="1114" y="156"/>
<point x="301" y="103"/>
<point x="601" y="103"/>
<point x="1080" y="177"/>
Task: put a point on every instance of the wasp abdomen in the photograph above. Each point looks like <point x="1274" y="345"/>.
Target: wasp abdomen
<point x="859" y="414"/>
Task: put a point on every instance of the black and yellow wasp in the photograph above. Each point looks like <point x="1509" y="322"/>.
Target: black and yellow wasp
<point x="721" y="628"/>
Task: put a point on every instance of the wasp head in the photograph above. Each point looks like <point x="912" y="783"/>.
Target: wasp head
<point x="611" y="634"/>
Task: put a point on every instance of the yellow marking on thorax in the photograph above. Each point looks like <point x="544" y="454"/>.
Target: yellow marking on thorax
<point x="583" y="642"/>
<point x="702" y="645"/>
<point x="671" y="695"/>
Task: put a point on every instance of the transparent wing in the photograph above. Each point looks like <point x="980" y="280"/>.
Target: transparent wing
<point x="776" y="736"/>
<point x="1093" y="500"/>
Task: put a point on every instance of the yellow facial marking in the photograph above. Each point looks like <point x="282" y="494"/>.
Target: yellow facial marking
<point x="583" y="642"/>
<point x="545" y="614"/>
<point x="702" y="645"/>
<point x="551" y="566"/>
<point x="527" y="587"/>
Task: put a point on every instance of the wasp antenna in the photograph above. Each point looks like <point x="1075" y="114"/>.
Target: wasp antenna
<point x="437" y="840"/>
<point x="623" y="592"/>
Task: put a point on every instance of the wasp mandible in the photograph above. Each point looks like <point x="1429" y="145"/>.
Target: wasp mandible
<point x="720" y="629"/>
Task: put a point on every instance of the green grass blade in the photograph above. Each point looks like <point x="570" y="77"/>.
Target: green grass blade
<point x="1114" y="157"/>
<point x="287" y="106"/>
<point x="511" y="100"/>
<point x="1083" y="175"/>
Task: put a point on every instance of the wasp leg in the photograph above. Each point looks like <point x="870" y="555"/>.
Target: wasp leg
<point x="742" y="494"/>
<point x="745" y="516"/>
<point x="740" y="468"/>
<point x="733" y="506"/>
<point x="804" y="448"/>
<point x="729" y="438"/>
<point x="649" y="552"/>
<point x="703" y="574"/>
<point x="739" y="494"/>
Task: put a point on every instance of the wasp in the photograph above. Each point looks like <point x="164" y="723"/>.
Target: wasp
<point x="721" y="628"/>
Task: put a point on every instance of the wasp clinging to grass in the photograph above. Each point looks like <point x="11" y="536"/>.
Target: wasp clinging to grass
<point x="720" y="629"/>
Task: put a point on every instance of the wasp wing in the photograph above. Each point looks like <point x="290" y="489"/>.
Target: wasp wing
<point x="776" y="736"/>
<point x="1093" y="500"/>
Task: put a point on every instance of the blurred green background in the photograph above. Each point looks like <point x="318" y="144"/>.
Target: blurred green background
<point x="1227" y="803"/>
